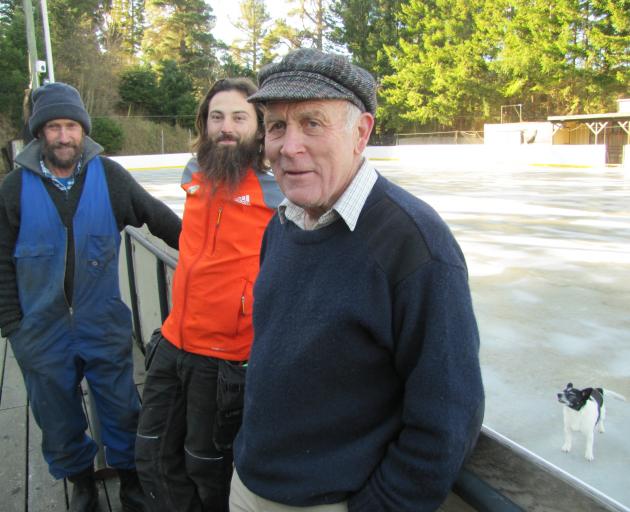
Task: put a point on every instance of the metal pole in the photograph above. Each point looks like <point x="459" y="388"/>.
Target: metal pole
<point x="49" y="58"/>
<point x="30" y="41"/>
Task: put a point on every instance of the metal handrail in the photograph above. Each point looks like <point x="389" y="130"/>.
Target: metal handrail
<point x="162" y="260"/>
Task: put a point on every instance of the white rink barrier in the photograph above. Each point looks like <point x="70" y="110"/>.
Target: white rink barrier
<point x="482" y="156"/>
<point x="437" y="156"/>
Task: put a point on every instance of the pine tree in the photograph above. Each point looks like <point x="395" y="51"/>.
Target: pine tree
<point x="254" y="25"/>
<point x="179" y="30"/>
<point x="14" y="73"/>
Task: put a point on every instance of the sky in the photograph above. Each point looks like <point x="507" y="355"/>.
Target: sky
<point x="229" y="10"/>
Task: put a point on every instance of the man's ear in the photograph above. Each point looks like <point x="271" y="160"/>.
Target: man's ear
<point x="364" y="128"/>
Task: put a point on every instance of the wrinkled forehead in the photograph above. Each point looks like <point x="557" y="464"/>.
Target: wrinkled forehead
<point x="327" y="109"/>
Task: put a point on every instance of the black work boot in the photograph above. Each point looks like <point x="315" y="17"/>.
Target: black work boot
<point x="131" y="494"/>
<point x="84" y="492"/>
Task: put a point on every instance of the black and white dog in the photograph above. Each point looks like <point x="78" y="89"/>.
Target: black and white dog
<point x="584" y="411"/>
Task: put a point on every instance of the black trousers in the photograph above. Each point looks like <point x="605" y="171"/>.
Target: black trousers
<point x="179" y="466"/>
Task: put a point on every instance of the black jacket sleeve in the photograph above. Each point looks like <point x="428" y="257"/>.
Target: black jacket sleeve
<point x="134" y="206"/>
<point x="10" y="311"/>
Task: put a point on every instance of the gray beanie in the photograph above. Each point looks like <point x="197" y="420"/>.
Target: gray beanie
<point x="57" y="101"/>
<point x="308" y="74"/>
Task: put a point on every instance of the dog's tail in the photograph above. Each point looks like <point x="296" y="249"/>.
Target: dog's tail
<point x="608" y="392"/>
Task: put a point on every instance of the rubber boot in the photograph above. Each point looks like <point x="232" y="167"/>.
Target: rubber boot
<point x="131" y="494"/>
<point x="84" y="492"/>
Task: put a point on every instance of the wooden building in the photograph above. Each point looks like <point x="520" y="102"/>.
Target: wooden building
<point x="611" y="129"/>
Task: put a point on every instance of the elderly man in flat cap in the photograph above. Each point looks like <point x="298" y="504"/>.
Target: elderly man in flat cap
<point x="61" y="214"/>
<point x="363" y="391"/>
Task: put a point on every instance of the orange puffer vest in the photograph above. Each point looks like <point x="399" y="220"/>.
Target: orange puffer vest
<point x="219" y="249"/>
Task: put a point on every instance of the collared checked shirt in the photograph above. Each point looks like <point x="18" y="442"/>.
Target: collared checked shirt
<point x="63" y="184"/>
<point x="348" y="206"/>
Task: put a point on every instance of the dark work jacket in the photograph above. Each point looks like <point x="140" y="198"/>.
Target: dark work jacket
<point x="130" y="203"/>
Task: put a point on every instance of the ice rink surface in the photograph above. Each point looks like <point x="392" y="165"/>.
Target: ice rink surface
<point x="548" y="252"/>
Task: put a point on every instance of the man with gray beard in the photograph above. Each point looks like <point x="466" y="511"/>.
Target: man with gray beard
<point x="193" y="393"/>
<point x="61" y="214"/>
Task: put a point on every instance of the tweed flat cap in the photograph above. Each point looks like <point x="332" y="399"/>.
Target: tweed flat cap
<point x="308" y="74"/>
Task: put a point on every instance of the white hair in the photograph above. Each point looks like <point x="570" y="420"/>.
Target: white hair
<point x="352" y="116"/>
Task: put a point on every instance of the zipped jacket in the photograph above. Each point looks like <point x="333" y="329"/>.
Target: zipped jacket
<point x="219" y="249"/>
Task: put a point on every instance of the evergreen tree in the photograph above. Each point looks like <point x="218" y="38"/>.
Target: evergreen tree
<point x="14" y="73"/>
<point x="441" y="66"/>
<point x="123" y="26"/>
<point x="176" y="99"/>
<point x="467" y="59"/>
<point x="138" y="90"/>
<point x="366" y="28"/>
<point x="79" y="57"/>
<point x="254" y="24"/>
<point x="571" y="56"/>
<point x="281" y="38"/>
<point x="232" y="68"/>
<point x="108" y="133"/>
<point x="315" y="19"/>
<point x="179" y="31"/>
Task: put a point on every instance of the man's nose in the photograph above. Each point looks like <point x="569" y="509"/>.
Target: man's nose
<point x="293" y="142"/>
<point x="227" y="126"/>
<point x="64" y="135"/>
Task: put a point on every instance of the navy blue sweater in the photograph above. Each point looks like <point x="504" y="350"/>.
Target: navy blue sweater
<point x="363" y="382"/>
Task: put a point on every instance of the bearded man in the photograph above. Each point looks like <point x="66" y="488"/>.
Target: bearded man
<point x="193" y="393"/>
<point x="61" y="213"/>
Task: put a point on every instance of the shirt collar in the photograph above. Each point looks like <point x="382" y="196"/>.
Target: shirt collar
<point x="62" y="184"/>
<point x="348" y="206"/>
<point x="48" y="173"/>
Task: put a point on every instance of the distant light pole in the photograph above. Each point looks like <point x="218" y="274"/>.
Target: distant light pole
<point x="49" y="58"/>
<point x="36" y="66"/>
<point x="30" y="42"/>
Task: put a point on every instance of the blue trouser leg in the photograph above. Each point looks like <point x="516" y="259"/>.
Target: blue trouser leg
<point x="52" y="385"/>
<point x="110" y="376"/>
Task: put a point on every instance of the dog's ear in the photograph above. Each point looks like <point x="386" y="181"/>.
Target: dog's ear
<point x="569" y="385"/>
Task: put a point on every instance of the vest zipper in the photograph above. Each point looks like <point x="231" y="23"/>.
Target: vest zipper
<point x="216" y="228"/>
<point x="63" y="282"/>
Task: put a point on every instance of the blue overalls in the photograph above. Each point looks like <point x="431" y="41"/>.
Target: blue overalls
<point x="56" y="345"/>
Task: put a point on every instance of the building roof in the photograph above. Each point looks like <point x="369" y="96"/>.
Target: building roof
<point x="584" y="118"/>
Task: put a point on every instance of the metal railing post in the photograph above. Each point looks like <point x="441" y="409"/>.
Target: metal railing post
<point x="133" y="292"/>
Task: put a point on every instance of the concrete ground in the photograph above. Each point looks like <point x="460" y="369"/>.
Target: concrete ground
<point x="548" y="252"/>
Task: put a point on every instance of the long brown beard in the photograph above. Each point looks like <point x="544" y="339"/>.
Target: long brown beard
<point x="227" y="165"/>
<point x="48" y="151"/>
